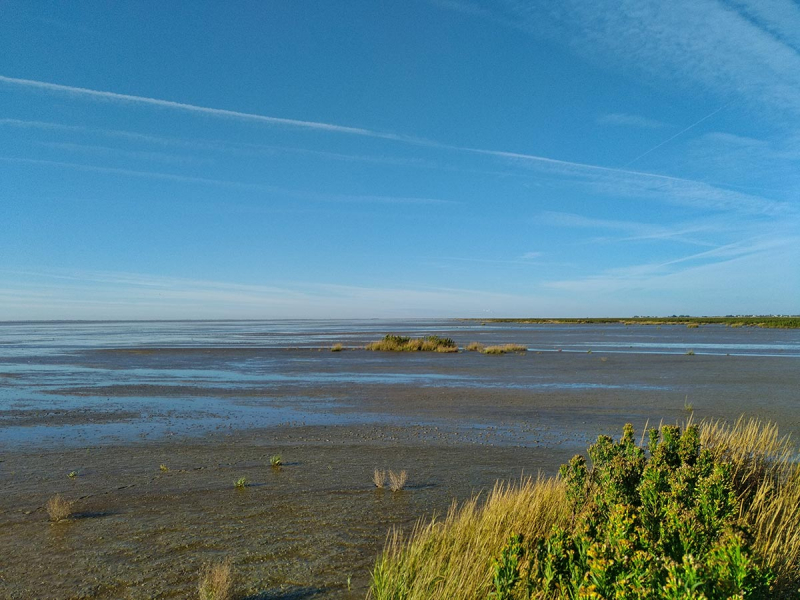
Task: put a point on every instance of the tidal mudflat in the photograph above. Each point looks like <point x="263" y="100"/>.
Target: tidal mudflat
<point x="156" y="421"/>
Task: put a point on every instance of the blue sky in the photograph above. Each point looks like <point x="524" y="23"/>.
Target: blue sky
<point x="399" y="159"/>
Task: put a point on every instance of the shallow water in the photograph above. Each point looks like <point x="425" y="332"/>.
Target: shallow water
<point x="112" y="402"/>
<point x="79" y="382"/>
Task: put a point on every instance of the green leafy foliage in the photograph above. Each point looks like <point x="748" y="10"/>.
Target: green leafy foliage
<point x="660" y="523"/>
<point x="507" y="569"/>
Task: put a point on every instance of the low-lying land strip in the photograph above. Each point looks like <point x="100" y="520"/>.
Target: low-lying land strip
<point x="789" y="322"/>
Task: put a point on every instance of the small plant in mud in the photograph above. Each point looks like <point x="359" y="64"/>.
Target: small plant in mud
<point x="276" y="460"/>
<point x="688" y="407"/>
<point x="337" y="348"/>
<point x="72" y="474"/>
<point x="216" y="581"/>
<point x="58" y="509"/>
<point x="656" y="524"/>
<point x="164" y="468"/>
<point x="240" y="483"/>
<point x="379" y="478"/>
<point x="397" y="481"/>
<point x="475" y="347"/>
<point x="690" y="353"/>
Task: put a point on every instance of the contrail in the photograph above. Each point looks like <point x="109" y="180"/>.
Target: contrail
<point x="217" y="112"/>
<point x="708" y="116"/>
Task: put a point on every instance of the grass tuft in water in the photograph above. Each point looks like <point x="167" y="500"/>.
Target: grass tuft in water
<point x="59" y="509"/>
<point x="397" y="481"/>
<point x="216" y="581"/>
<point x="379" y="478"/>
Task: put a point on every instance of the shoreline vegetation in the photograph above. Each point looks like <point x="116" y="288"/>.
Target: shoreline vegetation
<point x="767" y="322"/>
<point x="704" y="511"/>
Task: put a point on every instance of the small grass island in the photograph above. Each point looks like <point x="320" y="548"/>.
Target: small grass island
<point x="402" y="343"/>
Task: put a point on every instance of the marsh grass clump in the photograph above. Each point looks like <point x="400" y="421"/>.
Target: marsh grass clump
<point x="59" y="509"/>
<point x="692" y="325"/>
<point x="475" y="347"/>
<point x="401" y="343"/>
<point x="379" y="478"/>
<point x="397" y="481"/>
<point x="504" y="349"/>
<point x="452" y="557"/>
<point x="707" y="511"/>
<point x="241" y="483"/>
<point x="216" y="581"/>
<point x="690" y="353"/>
<point x="163" y="468"/>
<point x="337" y="348"/>
<point x="72" y="474"/>
<point x="276" y="460"/>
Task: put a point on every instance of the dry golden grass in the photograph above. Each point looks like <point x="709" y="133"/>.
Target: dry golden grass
<point x="397" y="481"/>
<point x="475" y="347"/>
<point x="452" y="558"/>
<point x="766" y="473"/>
<point x="337" y="348"/>
<point x="504" y="349"/>
<point x="216" y="581"/>
<point x="379" y="478"/>
<point x="58" y="508"/>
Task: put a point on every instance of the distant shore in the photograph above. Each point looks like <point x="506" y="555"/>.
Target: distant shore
<point x="769" y="322"/>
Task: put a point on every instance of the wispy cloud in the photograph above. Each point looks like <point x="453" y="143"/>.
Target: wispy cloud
<point x="626" y="120"/>
<point x="109" y="295"/>
<point x="741" y="49"/>
<point x="634" y="230"/>
<point x="242" y="185"/>
<point x="761" y="255"/>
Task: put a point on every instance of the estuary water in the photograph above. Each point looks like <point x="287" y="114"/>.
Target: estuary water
<point x="88" y="382"/>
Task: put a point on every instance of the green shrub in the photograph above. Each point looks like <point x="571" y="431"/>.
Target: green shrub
<point x="655" y="524"/>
